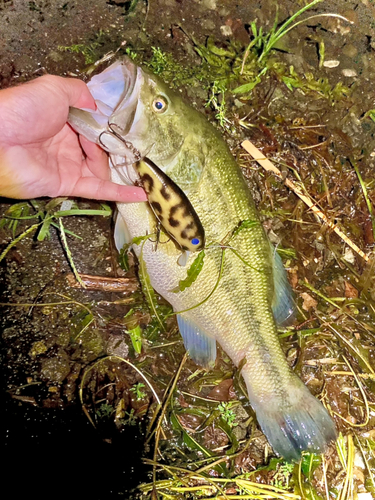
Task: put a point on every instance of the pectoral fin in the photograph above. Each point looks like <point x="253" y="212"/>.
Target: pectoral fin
<point x="121" y="234"/>
<point x="201" y="347"/>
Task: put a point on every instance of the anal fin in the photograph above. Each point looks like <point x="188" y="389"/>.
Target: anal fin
<point x="283" y="305"/>
<point x="201" y="347"/>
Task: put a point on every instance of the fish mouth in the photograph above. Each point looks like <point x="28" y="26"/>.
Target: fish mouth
<point x="123" y="115"/>
<point x="114" y="87"/>
<point x="116" y="92"/>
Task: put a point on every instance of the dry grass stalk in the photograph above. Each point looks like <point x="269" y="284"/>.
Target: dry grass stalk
<point x="104" y="284"/>
<point x="270" y="167"/>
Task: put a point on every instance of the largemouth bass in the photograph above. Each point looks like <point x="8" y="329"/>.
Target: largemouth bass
<point x="138" y="117"/>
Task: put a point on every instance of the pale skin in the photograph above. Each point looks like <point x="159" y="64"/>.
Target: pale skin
<point x="40" y="154"/>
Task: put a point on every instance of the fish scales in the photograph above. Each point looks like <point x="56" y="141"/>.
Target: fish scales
<point x="240" y="313"/>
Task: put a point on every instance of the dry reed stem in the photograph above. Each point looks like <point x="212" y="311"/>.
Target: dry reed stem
<point x="270" y="167"/>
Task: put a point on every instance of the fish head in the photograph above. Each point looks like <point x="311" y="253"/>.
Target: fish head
<point x="114" y="87"/>
<point x="149" y="118"/>
<point x="139" y="116"/>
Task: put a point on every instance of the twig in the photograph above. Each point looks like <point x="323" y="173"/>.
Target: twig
<point x="269" y="166"/>
<point x="103" y="283"/>
<point x="365" y="376"/>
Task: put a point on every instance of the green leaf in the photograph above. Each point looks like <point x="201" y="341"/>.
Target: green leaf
<point x="246" y="87"/>
<point x="78" y="211"/>
<point x="44" y="230"/>
<point x="309" y="463"/>
<point x="55" y="202"/>
<point x="136" y="338"/>
<point x="69" y="254"/>
<point x="192" y="273"/>
<point x="67" y="231"/>
<point x="227" y="428"/>
<point x="137" y="240"/>
<point x="123" y="258"/>
<point x="371" y="114"/>
<point x="245" y="224"/>
<point x="219" y="51"/>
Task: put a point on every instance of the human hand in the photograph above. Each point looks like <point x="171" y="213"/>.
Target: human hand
<point x="41" y="155"/>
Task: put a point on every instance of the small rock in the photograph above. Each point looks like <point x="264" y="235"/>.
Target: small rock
<point x="117" y="346"/>
<point x="349" y="72"/>
<point x="333" y="63"/>
<point x="349" y="255"/>
<point x="209" y="4"/>
<point x="56" y="369"/>
<point x="350" y="51"/>
<point x="226" y="30"/>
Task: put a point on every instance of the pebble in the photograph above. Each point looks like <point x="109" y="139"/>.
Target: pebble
<point x="349" y="72"/>
<point x="333" y="63"/>
<point x="226" y="30"/>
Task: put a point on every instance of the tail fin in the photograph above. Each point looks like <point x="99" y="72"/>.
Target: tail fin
<point x="301" y="424"/>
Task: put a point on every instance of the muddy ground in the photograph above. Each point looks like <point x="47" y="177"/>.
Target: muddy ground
<point x="52" y="351"/>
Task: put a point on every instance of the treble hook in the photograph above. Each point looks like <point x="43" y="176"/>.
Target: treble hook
<point x="135" y="152"/>
<point x="128" y="144"/>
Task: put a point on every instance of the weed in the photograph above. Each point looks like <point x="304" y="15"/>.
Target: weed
<point x="236" y="70"/>
<point x="105" y="411"/>
<point x="227" y="413"/>
<point x="370" y="114"/>
<point x="131" y="53"/>
<point x="283" y="475"/>
<point x="48" y="216"/>
<point x="88" y="50"/>
<point x="130" y="418"/>
<point x="216" y="100"/>
<point x="307" y="83"/>
<point x="15" y="213"/>
<point x="138" y="391"/>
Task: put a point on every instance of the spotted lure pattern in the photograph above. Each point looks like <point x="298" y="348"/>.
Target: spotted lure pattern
<point x="171" y="207"/>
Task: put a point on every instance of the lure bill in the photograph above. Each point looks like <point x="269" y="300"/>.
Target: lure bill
<point x="171" y="207"/>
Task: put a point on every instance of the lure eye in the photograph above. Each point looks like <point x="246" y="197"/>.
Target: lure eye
<point x="160" y="104"/>
<point x="195" y="241"/>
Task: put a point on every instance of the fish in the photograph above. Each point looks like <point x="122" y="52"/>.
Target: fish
<point x="242" y="293"/>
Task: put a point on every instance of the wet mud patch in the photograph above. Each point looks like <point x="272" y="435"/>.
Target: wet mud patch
<point x="63" y="365"/>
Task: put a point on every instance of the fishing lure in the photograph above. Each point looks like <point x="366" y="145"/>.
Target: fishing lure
<point x="171" y="207"/>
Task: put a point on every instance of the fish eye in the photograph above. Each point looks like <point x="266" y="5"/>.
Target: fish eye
<point x="160" y="104"/>
<point x="195" y="241"/>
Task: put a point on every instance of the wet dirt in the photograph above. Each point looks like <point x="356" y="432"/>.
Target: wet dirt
<point x="48" y="352"/>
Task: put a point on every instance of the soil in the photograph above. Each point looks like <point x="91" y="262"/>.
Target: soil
<point x="48" y="351"/>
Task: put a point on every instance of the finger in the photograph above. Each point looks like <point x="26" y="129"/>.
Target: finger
<point x="96" y="159"/>
<point x="36" y="111"/>
<point x="97" y="189"/>
<point x="75" y="91"/>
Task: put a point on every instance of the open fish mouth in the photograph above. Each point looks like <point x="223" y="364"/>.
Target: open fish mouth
<point x="116" y="92"/>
